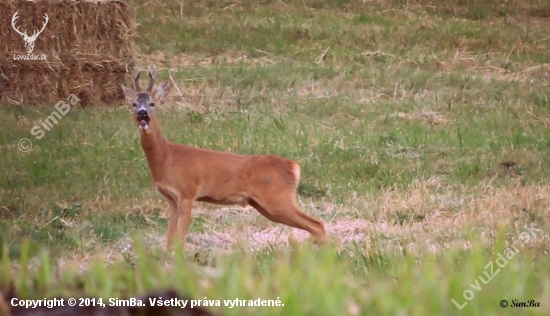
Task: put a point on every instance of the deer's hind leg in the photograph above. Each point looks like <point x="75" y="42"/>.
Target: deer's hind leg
<point x="288" y="213"/>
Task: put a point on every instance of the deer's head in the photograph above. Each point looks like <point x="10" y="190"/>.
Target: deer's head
<point x="144" y="102"/>
<point x="29" y="40"/>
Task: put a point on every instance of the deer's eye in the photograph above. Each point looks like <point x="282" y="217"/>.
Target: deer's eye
<point x="135" y="104"/>
<point x="152" y="104"/>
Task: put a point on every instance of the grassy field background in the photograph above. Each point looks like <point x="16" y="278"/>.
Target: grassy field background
<point x="421" y="128"/>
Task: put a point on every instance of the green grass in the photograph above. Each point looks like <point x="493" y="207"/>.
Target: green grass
<point x="310" y="282"/>
<point x="421" y="130"/>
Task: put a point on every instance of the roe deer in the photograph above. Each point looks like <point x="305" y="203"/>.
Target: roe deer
<point x="184" y="174"/>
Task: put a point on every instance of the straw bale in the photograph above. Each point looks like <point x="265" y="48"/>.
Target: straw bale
<point x="87" y="47"/>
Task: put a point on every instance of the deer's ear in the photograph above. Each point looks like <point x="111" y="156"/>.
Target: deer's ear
<point x="162" y="90"/>
<point x="129" y="93"/>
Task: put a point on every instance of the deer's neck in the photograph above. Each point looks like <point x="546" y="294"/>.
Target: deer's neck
<point x="156" y="149"/>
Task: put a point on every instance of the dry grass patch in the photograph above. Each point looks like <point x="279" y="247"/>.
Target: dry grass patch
<point x="489" y="69"/>
<point x="178" y="61"/>
<point x="427" y="218"/>
<point x="427" y="116"/>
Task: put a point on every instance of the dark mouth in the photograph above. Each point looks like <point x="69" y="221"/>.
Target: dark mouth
<point x="143" y="120"/>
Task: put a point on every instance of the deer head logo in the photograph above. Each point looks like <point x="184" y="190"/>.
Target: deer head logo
<point x="29" y="40"/>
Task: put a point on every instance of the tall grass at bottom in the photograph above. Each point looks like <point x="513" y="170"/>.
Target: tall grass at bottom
<point x="305" y="280"/>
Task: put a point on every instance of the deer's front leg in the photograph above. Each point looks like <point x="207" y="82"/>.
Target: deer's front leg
<point x="184" y="218"/>
<point x="172" y="223"/>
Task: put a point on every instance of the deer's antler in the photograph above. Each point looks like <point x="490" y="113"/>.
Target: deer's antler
<point x="13" y="19"/>
<point x="35" y="34"/>
<point x="136" y="79"/>
<point x="152" y="77"/>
